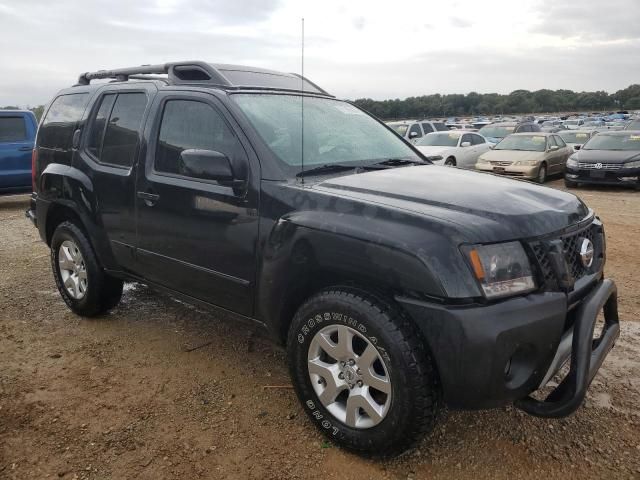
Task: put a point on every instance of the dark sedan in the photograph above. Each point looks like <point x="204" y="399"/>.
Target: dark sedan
<point x="608" y="158"/>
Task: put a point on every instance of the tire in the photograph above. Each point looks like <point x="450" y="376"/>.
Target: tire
<point x="570" y="184"/>
<point x="84" y="286"/>
<point x="450" y="162"/>
<point x="406" y="412"/>
<point x="542" y="173"/>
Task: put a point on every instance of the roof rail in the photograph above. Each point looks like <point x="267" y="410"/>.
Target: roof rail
<point x="178" y="72"/>
<point x="230" y="77"/>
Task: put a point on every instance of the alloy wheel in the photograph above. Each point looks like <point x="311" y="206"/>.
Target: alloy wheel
<point x="349" y="376"/>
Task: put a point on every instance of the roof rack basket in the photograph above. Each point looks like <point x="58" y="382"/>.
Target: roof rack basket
<point x="179" y="72"/>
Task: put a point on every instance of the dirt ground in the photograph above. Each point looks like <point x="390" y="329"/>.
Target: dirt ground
<point x="129" y="396"/>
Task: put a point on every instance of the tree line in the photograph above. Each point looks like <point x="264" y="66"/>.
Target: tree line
<point x="471" y="104"/>
<point x="518" y="101"/>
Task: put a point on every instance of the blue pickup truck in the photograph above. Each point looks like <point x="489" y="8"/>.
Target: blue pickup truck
<point x="17" y="135"/>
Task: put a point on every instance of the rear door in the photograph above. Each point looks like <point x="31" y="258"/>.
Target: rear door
<point x="554" y="157"/>
<point x="197" y="236"/>
<point x="17" y="133"/>
<point x="108" y="156"/>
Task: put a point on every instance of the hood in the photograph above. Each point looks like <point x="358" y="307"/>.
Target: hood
<point x="493" y="140"/>
<point x="434" y="150"/>
<point x="482" y="207"/>
<point x="606" y="156"/>
<point x="511" y="155"/>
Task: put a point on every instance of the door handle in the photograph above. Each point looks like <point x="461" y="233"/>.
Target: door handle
<point x="150" y="199"/>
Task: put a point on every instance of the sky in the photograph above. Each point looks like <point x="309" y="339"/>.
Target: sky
<point x="353" y="49"/>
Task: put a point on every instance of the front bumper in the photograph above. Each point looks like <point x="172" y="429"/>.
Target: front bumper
<point x="522" y="171"/>
<point x="492" y="355"/>
<point x="621" y="176"/>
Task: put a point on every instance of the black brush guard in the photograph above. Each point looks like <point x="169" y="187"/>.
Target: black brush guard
<point x="587" y="354"/>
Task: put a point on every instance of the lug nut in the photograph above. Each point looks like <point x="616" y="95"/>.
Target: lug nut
<point x="358" y="371"/>
<point x="341" y="376"/>
<point x="342" y="364"/>
<point x="352" y="362"/>
<point x="360" y="383"/>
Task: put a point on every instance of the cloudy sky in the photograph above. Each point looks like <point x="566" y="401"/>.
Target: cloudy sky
<point x="354" y="48"/>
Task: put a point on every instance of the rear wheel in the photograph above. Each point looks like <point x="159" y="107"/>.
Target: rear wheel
<point x="362" y="373"/>
<point x="450" y="162"/>
<point x="82" y="283"/>
<point x="542" y="173"/>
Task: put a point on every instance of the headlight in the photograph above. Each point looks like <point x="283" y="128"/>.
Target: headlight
<point x="482" y="161"/>
<point x="634" y="164"/>
<point x="530" y="163"/>
<point x="502" y="269"/>
<point x="572" y="162"/>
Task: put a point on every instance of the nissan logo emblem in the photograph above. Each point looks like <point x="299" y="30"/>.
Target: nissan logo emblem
<point x="597" y="165"/>
<point x="586" y="252"/>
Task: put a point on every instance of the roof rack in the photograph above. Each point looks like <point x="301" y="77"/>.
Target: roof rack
<point x="218" y="75"/>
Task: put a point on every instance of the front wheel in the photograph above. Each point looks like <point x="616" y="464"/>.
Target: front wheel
<point x="362" y="373"/>
<point x="82" y="283"/>
<point x="450" y="162"/>
<point x="570" y="183"/>
<point x="542" y="173"/>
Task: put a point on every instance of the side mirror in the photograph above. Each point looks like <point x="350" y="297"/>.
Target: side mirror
<point x="206" y="165"/>
<point x="553" y="148"/>
<point x="465" y="144"/>
<point x="413" y="134"/>
<point x="577" y="147"/>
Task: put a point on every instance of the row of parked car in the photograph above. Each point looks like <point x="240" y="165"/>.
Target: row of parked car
<point x="584" y="156"/>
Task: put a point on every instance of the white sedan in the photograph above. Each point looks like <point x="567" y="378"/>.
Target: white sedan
<point x="453" y="148"/>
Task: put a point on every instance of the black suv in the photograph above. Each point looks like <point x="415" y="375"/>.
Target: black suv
<point x="258" y="193"/>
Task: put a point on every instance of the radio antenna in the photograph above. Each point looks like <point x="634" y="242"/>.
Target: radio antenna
<point x="302" y="108"/>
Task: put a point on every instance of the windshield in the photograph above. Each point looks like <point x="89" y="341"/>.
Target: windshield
<point x="529" y="143"/>
<point x="400" y="128"/>
<point x="496" y="132"/>
<point x="334" y="131"/>
<point x="439" y="140"/>
<point x="613" y="142"/>
<point x="571" y="122"/>
<point x="574" y="137"/>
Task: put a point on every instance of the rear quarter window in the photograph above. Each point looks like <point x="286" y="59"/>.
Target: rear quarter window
<point x="62" y="119"/>
<point x="12" y="129"/>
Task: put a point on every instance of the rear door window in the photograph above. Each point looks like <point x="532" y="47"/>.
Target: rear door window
<point x="115" y="130"/>
<point x="477" y="140"/>
<point x="466" y="138"/>
<point x="56" y="131"/>
<point x="427" y="128"/>
<point x="12" y="129"/>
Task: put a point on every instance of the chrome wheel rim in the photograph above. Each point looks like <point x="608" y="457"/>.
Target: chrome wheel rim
<point x="349" y="376"/>
<point x="73" y="271"/>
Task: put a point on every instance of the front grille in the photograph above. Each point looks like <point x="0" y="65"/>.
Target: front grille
<point x="572" y="268"/>
<point x="501" y="164"/>
<point x="599" y="166"/>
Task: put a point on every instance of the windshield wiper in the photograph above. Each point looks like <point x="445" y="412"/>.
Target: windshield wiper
<point x="327" y="168"/>
<point x="396" y="162"/>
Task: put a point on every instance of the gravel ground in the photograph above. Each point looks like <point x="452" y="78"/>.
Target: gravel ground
<point x="159" y="389"/>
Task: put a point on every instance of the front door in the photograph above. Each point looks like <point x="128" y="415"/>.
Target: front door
<point x="196" y="236"/>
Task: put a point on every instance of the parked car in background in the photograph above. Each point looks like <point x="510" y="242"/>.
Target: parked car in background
<point x="608" y="158"/>
<point x="574" y="123"/>
<point x="412" y="130"/>
<point x="528" y="155"/>
<point x="576" y="138"/>
<point x="495" y="132"/>
<point x="17" y="134"/>
<point x="453" y="148"/>
<point x="553" y="126"/>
